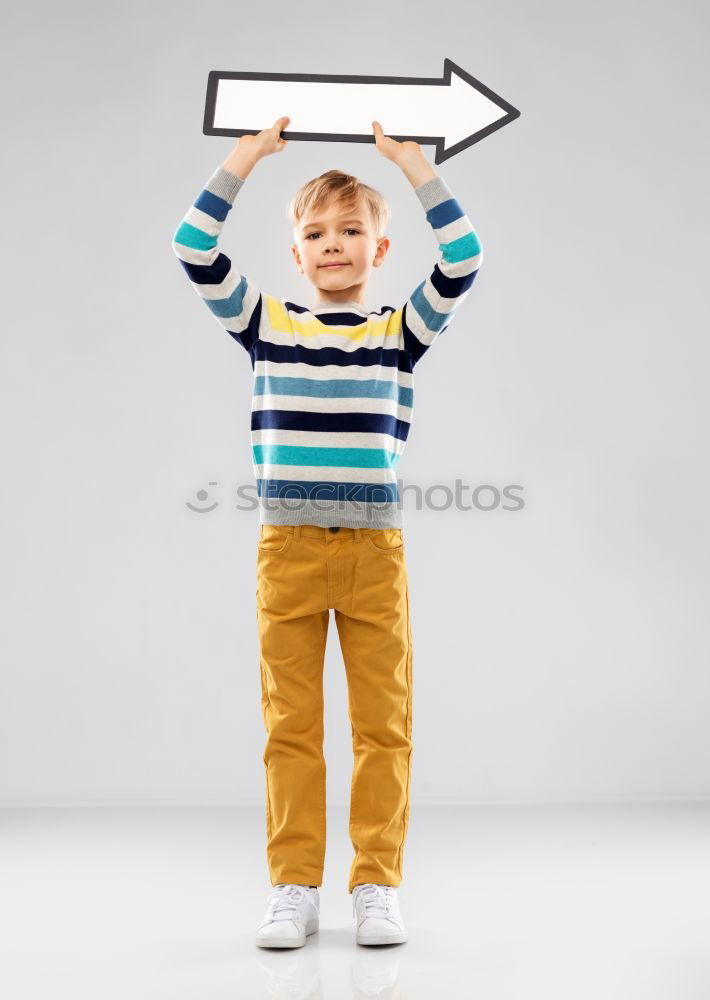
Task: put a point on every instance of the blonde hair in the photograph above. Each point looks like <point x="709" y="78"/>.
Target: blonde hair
<point x="336" y="185"/>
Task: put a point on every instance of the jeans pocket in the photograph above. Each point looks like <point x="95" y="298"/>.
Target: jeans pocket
<point x="275" y="538"/>
<point x="385" y="539"/>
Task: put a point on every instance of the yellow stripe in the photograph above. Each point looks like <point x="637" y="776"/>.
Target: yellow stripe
<point x="281" y="321"/>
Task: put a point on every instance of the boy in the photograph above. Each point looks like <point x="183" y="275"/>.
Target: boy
<point x="331" y="410"/>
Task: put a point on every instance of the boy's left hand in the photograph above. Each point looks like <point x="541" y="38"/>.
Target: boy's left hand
<point x="408" y="156"/>
<point x="402" y="153"/>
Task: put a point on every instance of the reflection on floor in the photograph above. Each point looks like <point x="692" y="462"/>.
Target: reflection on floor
<point x="610" y="902"/>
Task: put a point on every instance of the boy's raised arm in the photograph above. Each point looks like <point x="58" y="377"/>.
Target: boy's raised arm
<point x="431" y="306"/>
<point x="233" y="299"/>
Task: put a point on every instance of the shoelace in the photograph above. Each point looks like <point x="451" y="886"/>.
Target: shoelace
<point x="376" y="899"/>
<point x="285" y="899"/>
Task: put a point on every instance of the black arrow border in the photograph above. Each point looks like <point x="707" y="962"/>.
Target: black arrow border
<point x="424" y="140"/>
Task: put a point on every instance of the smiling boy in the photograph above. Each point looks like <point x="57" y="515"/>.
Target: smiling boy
<point x="335" y="248"/>
<point x="331" y="410"/>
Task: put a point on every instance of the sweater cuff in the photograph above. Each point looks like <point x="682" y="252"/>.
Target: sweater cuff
<point x="433" y="192"/>
<point x="224" y="184"/>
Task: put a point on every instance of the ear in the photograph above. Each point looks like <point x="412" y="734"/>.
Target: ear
<point x="380" y="253"/>
<point x="297" y="257"/>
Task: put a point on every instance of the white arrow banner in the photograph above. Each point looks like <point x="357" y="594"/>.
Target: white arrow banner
<point x="451" y="113"/>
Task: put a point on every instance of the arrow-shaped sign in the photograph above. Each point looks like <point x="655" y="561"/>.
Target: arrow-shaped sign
<point x="451" y="113"/>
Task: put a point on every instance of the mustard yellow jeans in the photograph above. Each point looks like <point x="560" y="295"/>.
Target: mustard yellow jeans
<point x="302" y="572"/>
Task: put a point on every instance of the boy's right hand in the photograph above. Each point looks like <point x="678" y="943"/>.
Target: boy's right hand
<point x="249" y="149"/>
<point x="267" y="141"/>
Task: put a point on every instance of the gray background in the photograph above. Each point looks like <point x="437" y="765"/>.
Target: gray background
<point x="561" y="650"/>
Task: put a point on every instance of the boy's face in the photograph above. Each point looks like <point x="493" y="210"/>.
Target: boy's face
<point x="336" y="234"/>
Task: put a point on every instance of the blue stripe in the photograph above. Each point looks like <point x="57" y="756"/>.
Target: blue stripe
<point x="325" y="489"/>
<point x="327" y="423"/>
<point x="433" y="320"/>
<point x="451" y="288"/>
<point x="346" y="318"/>
<point x="208" y="274"/>
<point x="387" y="358"/>
<point x="358" y="458"/>
<point x="212" y="204"/>
<point x="445" y="213"/>
<point x="283" y="385"/>
<point x="196" y="239"/>
<point x="460" y="249"/>
<point x="233" y="305"/>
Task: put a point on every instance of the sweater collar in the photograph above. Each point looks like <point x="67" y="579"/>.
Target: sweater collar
<point x="338" y="307"/>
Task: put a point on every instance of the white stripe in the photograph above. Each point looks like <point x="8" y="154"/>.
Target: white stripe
<point x="332" y="337"/>
<point x="204" y="221"/>
<point x="453" y="230"/>
<point x="332" y="404"/>
<point x="329" y="439"/>
<point x="334" y="473"/>
<point x="323" y="373"/>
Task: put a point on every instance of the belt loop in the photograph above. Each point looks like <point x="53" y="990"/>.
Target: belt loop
<point x="297" y="532"/>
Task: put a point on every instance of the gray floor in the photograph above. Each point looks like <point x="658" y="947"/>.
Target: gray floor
<point x="501" y="901"/>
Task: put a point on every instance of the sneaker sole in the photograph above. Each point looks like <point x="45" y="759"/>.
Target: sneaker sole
<point x="288" y="942"/>
<point x="382" y="938"/>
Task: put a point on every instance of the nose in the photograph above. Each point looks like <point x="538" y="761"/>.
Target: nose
<point x="332" y="244"/>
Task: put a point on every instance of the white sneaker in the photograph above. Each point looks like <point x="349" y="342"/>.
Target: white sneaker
<point x="377" y="915"/>
<point x="291" y="915"/>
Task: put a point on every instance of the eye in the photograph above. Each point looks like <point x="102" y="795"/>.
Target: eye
<point x="348" y="230"/>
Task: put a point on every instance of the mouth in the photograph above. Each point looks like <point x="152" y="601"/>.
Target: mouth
<point x="332" y="266"/>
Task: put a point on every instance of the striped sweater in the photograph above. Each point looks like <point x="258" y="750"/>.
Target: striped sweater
<point x="333" y="389"/>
